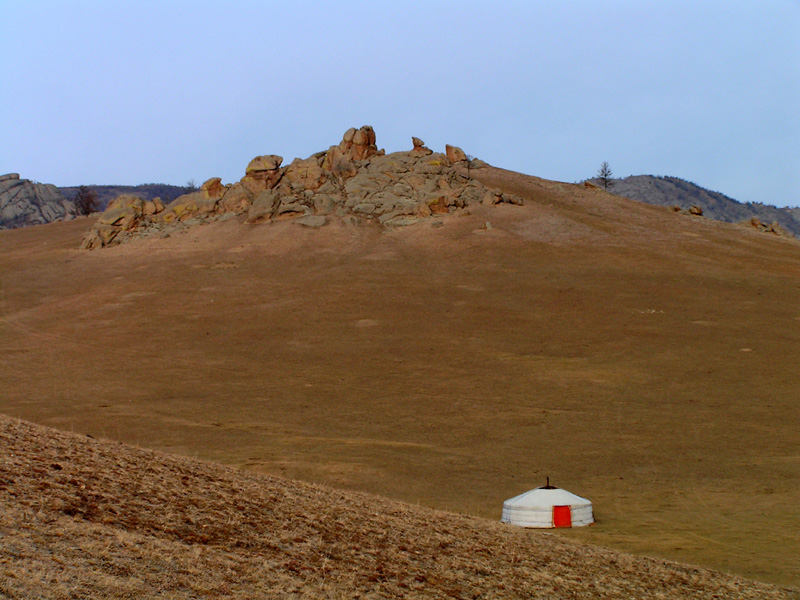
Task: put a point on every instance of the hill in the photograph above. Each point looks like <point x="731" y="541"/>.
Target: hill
<point x="88" y="518"/>
<point x="673" y="191"/>
<point x="642" y="358"/>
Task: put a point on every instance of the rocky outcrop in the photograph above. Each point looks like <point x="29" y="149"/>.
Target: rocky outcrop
<point x="23" y="202"/>
<point x="773" y="227"/>
<point x="123" y="214"/>
<point x="352" y="181"/>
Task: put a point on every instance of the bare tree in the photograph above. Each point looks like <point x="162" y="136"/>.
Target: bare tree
<point x="85" y="201"/>
<point x="191" y="186"/>
<point x="605" y="175"/>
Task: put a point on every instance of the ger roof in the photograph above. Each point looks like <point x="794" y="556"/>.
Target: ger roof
<point x="546" y="497"/>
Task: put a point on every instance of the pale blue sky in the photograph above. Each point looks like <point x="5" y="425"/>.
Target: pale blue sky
<point x="161" y="91"/>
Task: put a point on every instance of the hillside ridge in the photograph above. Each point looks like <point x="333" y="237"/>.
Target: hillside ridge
<point x="674" y="191"/>
<point x="94" y="518"/>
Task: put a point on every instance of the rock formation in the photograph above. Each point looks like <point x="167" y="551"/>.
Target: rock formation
<point x="773" y="227"/>
<point x="419" y="148"/>
<point x="455" y="154"/>
<point x="353" y="181"/>
<point x="23" y="202"/>
<point x="123" y="214"/>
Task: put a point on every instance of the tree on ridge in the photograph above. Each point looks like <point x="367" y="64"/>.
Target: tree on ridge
<point x="605" y="175"/>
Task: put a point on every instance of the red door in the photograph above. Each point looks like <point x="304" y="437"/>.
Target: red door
<point x="562" y="516"/>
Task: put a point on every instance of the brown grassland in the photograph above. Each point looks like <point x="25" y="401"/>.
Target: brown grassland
<point x="644" y="359"/>
<point x="83" y="518"/>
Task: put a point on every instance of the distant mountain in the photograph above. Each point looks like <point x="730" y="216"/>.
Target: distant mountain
<point x="146" y="191"/>
<point x="25" y="202"/>
<point x="673" y="191"/>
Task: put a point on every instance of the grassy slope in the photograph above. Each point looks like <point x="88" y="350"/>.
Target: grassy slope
<point x="86" y="518"/>
<point x="640" y="358"/>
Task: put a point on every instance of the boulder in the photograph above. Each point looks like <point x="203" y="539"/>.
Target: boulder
<point x="419" y="148"/>
<point x="492" y="197"/>
<point x="349" y="135"/>
<point x="438" y="204"/>
<point x="696" y="211"/>
<point x="358" y="144"/>
<point x="264" y="207"/>
<point x="306" y="173"/>
<point x="455" y="154"/>
<point x="312" y="220"/>
<point x="289" y="209"/>
<point x="338" y="163"/>
<point x="324" y="204"/>
<point x="773" y="227"/>
<point x="365" y="208"/>
<point x="99" y="236"/>
<point x="124" y="212"/>
<point x="152" y="207"/>
<point x="364" y="137"/>
<point x="268" y="162"/>
<point x="213" y="188"/>
<point x="91" y="240"/>
<point x="188" y="206"/>
<point x="350" y="221"/>
<point x="263" y="173"/>
<point x="235" y="199"/>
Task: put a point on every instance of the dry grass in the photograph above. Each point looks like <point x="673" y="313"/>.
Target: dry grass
<point x="640" y="358"/>
<point x="87" y="518"/>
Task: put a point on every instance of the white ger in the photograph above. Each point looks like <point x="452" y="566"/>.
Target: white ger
<point x="546" y="507"/>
